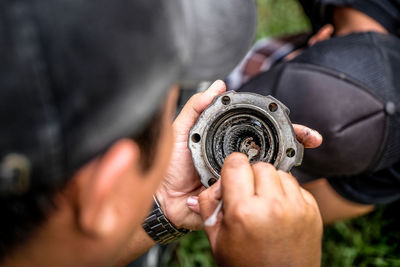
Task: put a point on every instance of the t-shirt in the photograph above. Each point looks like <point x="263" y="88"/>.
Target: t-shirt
<point x="386" y="12"/>
<point x="377" y="188"/>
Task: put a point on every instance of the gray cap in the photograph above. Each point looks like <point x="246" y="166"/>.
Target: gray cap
<point x="78" y="75"/>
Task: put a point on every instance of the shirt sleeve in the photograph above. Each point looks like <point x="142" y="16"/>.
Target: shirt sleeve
<point x="381" y="187"/>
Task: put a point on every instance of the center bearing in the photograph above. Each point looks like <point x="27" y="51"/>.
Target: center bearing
<point x="254" y="125"/>
<point x="241" y="130"/>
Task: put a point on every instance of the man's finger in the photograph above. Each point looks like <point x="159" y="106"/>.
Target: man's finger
<point x="291" y="187"/>
<point x="267" y="181"/>
<point x="308" y="137"/>
<point x="197" y="104"/>
<point x="193" y="201"/>
<point x="308" y="197"/>
<point x="237" y="179"/>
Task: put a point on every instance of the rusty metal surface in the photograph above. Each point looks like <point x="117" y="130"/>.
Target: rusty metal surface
<point x="255" y="125"/>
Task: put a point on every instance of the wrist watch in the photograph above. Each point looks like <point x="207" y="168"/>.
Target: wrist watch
<point x="159" y="228"/>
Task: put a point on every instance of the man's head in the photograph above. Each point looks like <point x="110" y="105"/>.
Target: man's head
<point x="82" y="83"/>
<point x="343" y="85"/>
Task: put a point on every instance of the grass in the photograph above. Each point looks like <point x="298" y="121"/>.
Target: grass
<point x="372" y="240"/>
<point x="277" y="17"/>
<point x="192" y="250"/>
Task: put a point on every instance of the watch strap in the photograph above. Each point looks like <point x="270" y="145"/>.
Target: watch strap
<point x="159" y="228"/>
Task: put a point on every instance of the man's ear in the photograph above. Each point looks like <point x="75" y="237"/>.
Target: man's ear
<point x="323" y="34"/>
<point x="100" y="182"/>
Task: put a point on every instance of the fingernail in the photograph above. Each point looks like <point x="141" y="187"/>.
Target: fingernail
<point x="192" y="201"/>
<point x="217" y="87"/>
<point x="316" y="134"/>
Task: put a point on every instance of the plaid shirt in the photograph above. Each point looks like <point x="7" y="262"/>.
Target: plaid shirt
<point x="264" y="54"/>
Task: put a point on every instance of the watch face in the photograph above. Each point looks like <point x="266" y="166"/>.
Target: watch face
<point x="254" y="125"/>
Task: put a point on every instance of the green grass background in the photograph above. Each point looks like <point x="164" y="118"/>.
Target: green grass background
<point x="372" y="240"/>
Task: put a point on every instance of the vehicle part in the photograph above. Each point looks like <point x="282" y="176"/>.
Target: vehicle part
<point x="255" y="125"/>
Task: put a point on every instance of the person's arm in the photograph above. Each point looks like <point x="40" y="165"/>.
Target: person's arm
<point x="267" y="218"/>
<point x="333" y="206"/>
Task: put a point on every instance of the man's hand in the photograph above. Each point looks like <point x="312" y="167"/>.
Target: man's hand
<point x="182" y="180"/>
<point x="181" y="186"/>
<point x="267" y="218"/>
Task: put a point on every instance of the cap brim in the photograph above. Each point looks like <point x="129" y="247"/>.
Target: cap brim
<point x="220" y="33"/>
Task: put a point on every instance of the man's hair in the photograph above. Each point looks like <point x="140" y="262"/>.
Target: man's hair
<point x="60" y="58"/>
<point x="22" y="215"/>
<point x="148" y="138"/>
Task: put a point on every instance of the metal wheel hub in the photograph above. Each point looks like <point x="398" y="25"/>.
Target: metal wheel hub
<point x="254" y="125"/>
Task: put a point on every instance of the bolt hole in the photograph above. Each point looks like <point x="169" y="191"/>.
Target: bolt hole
<point x="273" y="107"/>
<point x="226" y="100"/>
<point x="211" y="181"/>
<point x="290" y="152"/>
<point x="196" y="138"/>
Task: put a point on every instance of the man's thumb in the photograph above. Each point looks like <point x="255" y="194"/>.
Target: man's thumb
<point x="198" y="103"/>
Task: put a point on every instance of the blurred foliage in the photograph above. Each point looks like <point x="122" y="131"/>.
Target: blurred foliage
<point x="277" y="17"/>
<point x="193" y="250"/>
<point x="372" y="240"/>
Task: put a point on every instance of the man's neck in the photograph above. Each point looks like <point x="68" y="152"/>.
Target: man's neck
<point x="348" y="20"/>
<point x="56" y="243"/>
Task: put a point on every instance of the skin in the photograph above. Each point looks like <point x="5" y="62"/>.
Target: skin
<point x="267" y="219"/>
<point x="334" y="207"/>
<point x="182" y="180"/>
<point x="99" y="213"/>
<point x="179" y="190"/>
<point x="348" y="20"/>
